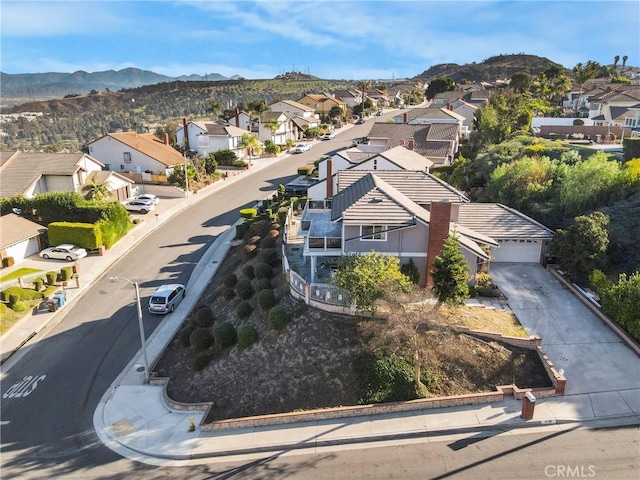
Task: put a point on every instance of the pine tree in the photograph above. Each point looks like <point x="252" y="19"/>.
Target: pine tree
<point x="450" y="274"/>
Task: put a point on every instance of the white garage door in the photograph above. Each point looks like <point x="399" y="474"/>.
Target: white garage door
<point x="22" y="250"/>
<point x="517" y="251"/>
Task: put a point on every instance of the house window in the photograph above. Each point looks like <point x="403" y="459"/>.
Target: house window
<point x="121" y="167"/>
<point x="107" y="166"/>
<point x="127" y="157"/>
<point x="373" y="232"/>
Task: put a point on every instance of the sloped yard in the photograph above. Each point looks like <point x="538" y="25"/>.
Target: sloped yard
<point x="309" y="364"/>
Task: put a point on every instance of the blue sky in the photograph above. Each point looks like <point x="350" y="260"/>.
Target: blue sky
<point x="329" y="39"/>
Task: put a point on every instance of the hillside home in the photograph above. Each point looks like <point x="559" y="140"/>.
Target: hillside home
<point x="277" y="127"/>
<point x="30" y="174"/>
<point x="350" y="97"/>
<point x="293" y="109"/>
<point x="20" y="238"/>
<point x="408" y="215"/>
<point x="380" y="98"/>
<point x="136" y="153"/>
<point x="615" y="108"/>
<point x="399" y="158"/>
<point x="206" y="137"/>
<point x="241" y="120"/>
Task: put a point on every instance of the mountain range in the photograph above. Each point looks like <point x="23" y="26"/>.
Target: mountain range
<point x="43" y="86"/>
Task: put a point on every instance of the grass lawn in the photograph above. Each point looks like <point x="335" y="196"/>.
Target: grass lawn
<point x="21" y="272"/>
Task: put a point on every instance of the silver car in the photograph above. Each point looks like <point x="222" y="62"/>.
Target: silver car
<point x="141" y="206"/>
<point x="65" y="251"/>
<point x="166" y="298"/>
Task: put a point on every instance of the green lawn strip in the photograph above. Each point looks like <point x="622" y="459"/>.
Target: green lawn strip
<point x="21" y="272"/>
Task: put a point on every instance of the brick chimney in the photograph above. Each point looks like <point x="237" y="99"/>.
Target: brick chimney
<point x="440" y="217"/>
<point x="329" y="178"/>
<point x="166" y="139"/>
<point x="412" y="144"/>
<point x="237" y="117"/>
<point x="405" y="118"/>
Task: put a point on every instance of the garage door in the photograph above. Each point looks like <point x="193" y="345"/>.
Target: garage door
<point x="24" y="249"/>
<point x="517" y="251"/>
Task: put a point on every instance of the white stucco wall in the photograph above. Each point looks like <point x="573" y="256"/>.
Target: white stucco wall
<point x="111" y="152"/>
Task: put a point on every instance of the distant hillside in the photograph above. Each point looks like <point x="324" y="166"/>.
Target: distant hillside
<point x="43" y="86"/>
<point x="491" y="69"/>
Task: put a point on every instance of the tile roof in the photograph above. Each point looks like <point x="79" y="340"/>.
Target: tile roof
<point x="421" y="187"/>
<point x="397" y="133"/>
<point x="22" y="170"/>
<point x="406" y="159"/>
<point x="15" y="229"/>
<point x="501" y="222"/>
<point x="151" y="146"/>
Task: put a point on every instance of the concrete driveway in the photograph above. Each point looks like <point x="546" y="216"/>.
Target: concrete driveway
<point x="594" y="359"/>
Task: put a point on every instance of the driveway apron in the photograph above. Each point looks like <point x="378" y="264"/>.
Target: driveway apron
<point x="593" y="357"/>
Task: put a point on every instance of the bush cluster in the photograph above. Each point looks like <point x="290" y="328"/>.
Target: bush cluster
<point x="244" y="310"/>
<point x="269" y="256"/>
<point x="244" y="289"/>
<point x="248" y="271"/>
<point x="278" y="317"/>
<point x="204" y="317"/>
<point x="21" y="293"/>
<point x="263" y="283"/>
<point x="266" y="299"/>
<point x="228" y="293"/>
<point x="201" y="338"/>
<point x="264" y="270"/>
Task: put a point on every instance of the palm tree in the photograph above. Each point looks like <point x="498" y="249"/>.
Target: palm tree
<point x="624" y="62"/>
<point x="364" y="86"/>
<point x="94" y="190"/>
<point x="251" y="143"/>
<point x="616" y="59"/>
<point x="582" y="73"/>
<point x="273" y="126"/>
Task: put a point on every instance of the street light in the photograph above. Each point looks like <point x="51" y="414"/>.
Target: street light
<point x="142" y="339"/>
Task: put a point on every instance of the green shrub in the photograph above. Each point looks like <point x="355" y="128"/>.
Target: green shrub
<point x="248" y="271"/>
<point x="204" y="317"/>
<point x="202" y="360"/>
<point x="282" y="214"/>
<point x="3" y="308"/>
<point x="263" y="283"/>
<point x="241" y="230"/>
<point x="243" y="310"/>
<point x="270" y="256"/>
<point x="244" y="289"/>
<point x="37" y="284"/>
<point x="201" y="338"/>
<point x="248" y="212"/>
<point x="7" y="262"/>
<point x="385" y="379"/>
<point x="20" y="307"/>
<point x="278" y="317"/>
<point x="306" y="170"/>
<point x="13" y="300"/>
<point x="259" y="227"/>
<point x="66" y="273"/>
<point x="410" y="270"/>
<point x="268" y="242"/>
<point x="228" y="293"/>
<point x="86" y="235"/>
<point x="225" y="335"/>
<point x="230" y="280"/>
<point x="250" y="250"/>
<point x="247" y="335"/>
<point x="266" y="299"/>
<point x="264" y="271"/>
<point x="22" y="293"/>
<point x="51" y="278"/>
<point x="184" y="335"/>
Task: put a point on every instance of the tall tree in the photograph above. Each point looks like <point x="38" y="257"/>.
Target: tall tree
<point x="251" y="144"/>
<point x="616" y="59"/>
<point x="583" y="73"/>
<point x="582" y="245"/>
<point x="214" y="108"/>
<point x="450" y="274"/>
<point x="624" y="62"/>
<point x="439" y="85"/>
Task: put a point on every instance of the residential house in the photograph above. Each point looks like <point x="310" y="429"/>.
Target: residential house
<point x="136" y="153"/>
<point x="372" y="215"/>
<point x="322" y="104"/>
<point x="30" y="174"/>
<point x="277" y="127"/>
<point x="293" y="109"/>
<point x="350" y="97"/>
<point x="241" y="120"/>
<point x="408" y="215"/>
<point x="399" y="158"/>
<point x="617" y="107"/>
<point x="379" y="97"/>
<point x="20" y="238"/>
<point x="206" y="137"/>
<point x="439" y="142"/>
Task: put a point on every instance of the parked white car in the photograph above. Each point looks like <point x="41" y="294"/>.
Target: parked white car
<point x="328" y="136"/>
<point x="140" y="206"/>
<point x="148" y="197"/>
<point x="302" y="147"/>
<point x="66" y="251"/>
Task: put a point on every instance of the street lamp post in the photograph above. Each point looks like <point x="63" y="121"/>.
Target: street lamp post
<point x="140" y="325"/>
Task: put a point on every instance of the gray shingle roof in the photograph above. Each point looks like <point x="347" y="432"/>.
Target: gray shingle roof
<point x="15" y="229"/>
<point x="501" y="222"/>
<point x="421" y="187"/>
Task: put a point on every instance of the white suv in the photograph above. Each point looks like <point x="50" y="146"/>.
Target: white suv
<point x="166" y="298"/>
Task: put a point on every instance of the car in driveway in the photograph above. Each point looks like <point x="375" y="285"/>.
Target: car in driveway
<point x="166" y="298"/>
<point x="302" y="147"/>
<point x="148" y="197"/>
<point x="66" y="251"/>
<point x="328" y="136"/>
<point x="140" y="206"/>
